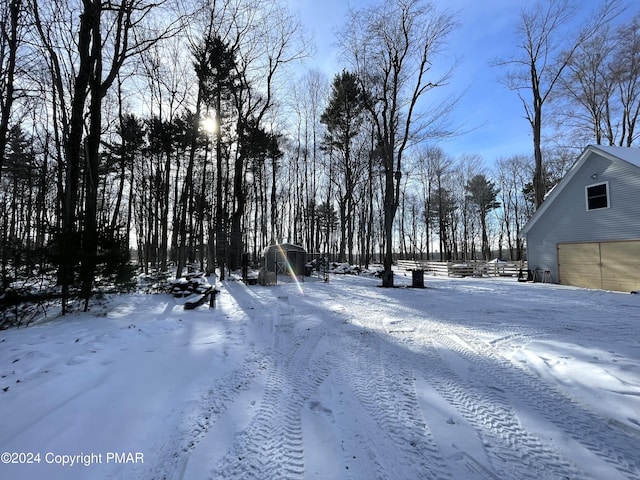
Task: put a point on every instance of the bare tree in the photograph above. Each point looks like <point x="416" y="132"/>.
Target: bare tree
<point x="274" y="41"/>
<point x="625" y="66"/>
<point x="546" y="48"/>
<point x="9" y="42"/>
<point x="439" y="202"/>
<point x="512" y="174"/>
<point x="86" y="52"/>
<point x="587" y="89"/>
<point x="123" y="27"/>
<point x="392" y="47"/>
<point x="309" y="94"/>
<point x="599" y="99"/>
<point x="463" y="222"/>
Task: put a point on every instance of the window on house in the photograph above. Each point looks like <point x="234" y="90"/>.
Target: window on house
<point x="598" y="196"/>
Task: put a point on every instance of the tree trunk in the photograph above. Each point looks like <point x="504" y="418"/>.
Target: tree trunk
<point x="275" y="238"/>
<point x="123" y="163"/>
<point x="486" y="253"/>
<point x="236" y="246"/>
<point x="92" y="161"/>
<point x="69" y="257"/>
<point x="220" y="231"/>
<point x="343" y="230"/>
<point x="390" y="207"/>
<point x="539" y="186"/>
<point x="9" y="73"/>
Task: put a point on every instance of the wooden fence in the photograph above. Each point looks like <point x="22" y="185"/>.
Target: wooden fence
<point x="476" y="268"/>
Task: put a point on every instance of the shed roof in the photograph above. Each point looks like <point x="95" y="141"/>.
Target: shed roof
<point x="627" y="154"/>
<point x="283" y="247"/>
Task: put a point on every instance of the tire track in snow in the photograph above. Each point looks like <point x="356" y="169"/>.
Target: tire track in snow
<point x="369" y="363"/>
<point x="385" y="391"/>
<point x="272" y="445"/>
<point x="393" y="408"/>
<point x="582" y="425"/>
<point x="387" y="406"/>
<point x="490" y="368"/>
<point x="174" y="451"/>
<point x="512" y="451"/>
<point x="209" y="404"/>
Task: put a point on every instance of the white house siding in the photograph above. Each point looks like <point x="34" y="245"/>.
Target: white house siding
<point x="568" y="221"/>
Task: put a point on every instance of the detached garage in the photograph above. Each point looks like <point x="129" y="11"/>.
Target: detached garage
<point x="603" y="265"/>
<point x="587" y="231"/>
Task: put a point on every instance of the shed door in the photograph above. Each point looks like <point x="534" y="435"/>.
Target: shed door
<point x="606" y="265"/>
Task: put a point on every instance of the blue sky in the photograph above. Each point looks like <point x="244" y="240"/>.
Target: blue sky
<point x="492" y="114"/>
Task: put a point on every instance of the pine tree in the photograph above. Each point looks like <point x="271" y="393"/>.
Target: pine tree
<point x="483" y="194"/>
<point x="343" y="118"/>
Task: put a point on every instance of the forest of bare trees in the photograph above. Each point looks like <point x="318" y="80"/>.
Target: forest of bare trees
<point x="139" y="135"/>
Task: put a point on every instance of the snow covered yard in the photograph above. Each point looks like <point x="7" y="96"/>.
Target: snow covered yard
<point x="466" y="379"/>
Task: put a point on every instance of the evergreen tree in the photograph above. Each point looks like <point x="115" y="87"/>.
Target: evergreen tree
<point x="343" y="118"/>
<point x="327" y="220"/>
<point x="216" y="69"/>
<point x="483" y="194"/>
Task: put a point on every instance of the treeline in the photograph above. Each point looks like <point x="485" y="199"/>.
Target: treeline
<point x="184" y="131"/>
<point x="137" y="124"/>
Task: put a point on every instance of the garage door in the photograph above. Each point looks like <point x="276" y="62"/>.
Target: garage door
<point x="606" y="265"/>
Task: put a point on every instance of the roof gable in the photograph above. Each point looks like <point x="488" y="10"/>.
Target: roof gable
<point x="626" y="154"/>
<point x="629" y="155"/>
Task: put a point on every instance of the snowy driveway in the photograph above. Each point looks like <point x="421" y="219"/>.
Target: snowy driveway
<point x="466" y="379"/>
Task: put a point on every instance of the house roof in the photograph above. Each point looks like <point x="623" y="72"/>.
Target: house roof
<point x="630" y="155"/>
<point x="627" y="154"/>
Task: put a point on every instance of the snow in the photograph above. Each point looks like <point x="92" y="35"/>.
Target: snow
<point x="469" y="378"/>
